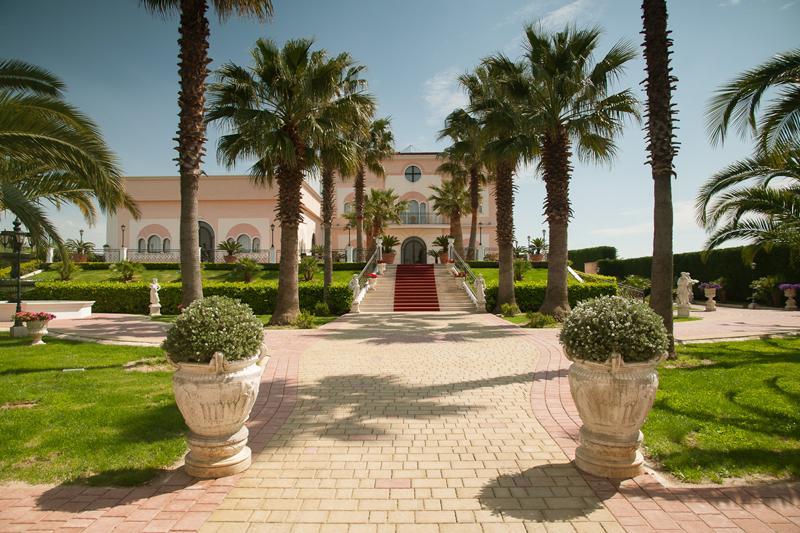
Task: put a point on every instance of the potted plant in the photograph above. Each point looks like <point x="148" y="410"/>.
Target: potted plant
<point x="710" y="289"/>
<point x="790" y="291"/>
<point x="537" y="249"/>
<point x="217" y="347"/>
<point x="442" y="242"/>
<point x="372" y="280"/>
<point x="614" y="344"/>
<point x="79" y="249"/>
<point x="435" y="254"/>
<point x="232" y="248"/>
<point x="36" y="324"/>
<point x="389" y="254"/>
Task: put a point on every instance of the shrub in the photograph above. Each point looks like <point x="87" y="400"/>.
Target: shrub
<point x="127" y="269"/>
<point x="540" y="320"/>
<point x="600" y="327"/>
<point x="639" y="282"/>
<point x="304" y="320"/>
<point x="26" y="267"/>
<point x="214" y="324"/>
<point x="246" y="269"/>
<point x="134" y="297"/>
<point x="765" y="290"/>
<point x="322" y="309"/>
<point x="509" y="310"/>
<point x="65" y="269"/>
<point x="308" y="267"/>
<point x="586" y="255"/>
<point x="521" y="266"/>
<point x="483" y="264"/>
<point x="530" y="294"/>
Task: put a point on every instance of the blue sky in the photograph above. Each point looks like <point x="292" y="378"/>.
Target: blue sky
<point x="119" y="63"/>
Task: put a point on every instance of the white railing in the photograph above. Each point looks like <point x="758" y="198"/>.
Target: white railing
<point x="473" y="285"/>
<point x="360" y="283"/>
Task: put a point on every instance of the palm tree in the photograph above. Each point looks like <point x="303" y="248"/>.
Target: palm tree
<point x="467" y="150"/>
<point x="738" y="101"/>
<point x="193" y="70"/>
<point x="52" y="153"/>
<point x="564" y="105"/>
<point x="505" y="147"/>
<point x="278" y="112"/>
<point x="381" y="208"/>
<point x="374" y="146"/>
<point x="662" y="149"/>
<point x="451" y="200"/>
<point x="757" y="199"/>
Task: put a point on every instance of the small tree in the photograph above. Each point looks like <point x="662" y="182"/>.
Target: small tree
<point x="246" y="269"/>
<point x="127" y="270"/>
<point x="308" y="267"/>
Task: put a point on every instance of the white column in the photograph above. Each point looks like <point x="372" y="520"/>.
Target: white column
<point x="50" y="254"/>
<point x="123" y="254"/>
<point x="272" y="254"/>
<point x="481" y="252"/>
<point x="348" y="252"/>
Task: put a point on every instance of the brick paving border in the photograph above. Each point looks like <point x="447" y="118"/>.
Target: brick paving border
<point x="645" y="503"/>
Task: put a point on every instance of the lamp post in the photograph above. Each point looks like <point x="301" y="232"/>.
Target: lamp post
<point x="81" y="232"/>
<point x="122" y="244"/>
<point x="480" y="234"/>
<point x="15" y="239"/>
<point x="272" y="235"/>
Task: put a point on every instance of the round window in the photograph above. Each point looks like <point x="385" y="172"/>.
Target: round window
<point x="413" y="173"/>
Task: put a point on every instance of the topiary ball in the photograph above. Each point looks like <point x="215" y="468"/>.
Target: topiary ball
<point x="214" y="324"/>
<point x="598" y="328"/>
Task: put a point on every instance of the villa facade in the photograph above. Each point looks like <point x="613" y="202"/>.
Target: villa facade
<point x="231" y="207"/>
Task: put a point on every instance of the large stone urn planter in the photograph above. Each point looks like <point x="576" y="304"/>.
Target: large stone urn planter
<point x="37" y="329"/>
<point x="215" y="400"/>
<point x="791" y="302"/>
<point x="613" y="400"/>
<point x="711" y="304"/>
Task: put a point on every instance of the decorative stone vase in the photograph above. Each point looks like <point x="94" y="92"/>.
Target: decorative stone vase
<point x="230" y="259"/>
<point x="613" y="399"/>
<point x="381" y="268"/>
<point x="372" y="283"/>
<point x="791" y="303"/>
<point x="37" y="329"/>
<point x="711" y="304"/>
<point x="215" y="400"/>
<point x="389" y="257"/>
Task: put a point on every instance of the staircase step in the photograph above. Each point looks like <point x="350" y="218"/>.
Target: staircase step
<point x="415" y="288"/>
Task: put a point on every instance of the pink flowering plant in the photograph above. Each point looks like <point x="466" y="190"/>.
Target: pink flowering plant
<point x="28" y="316"/>
<point x="601" y="327"/>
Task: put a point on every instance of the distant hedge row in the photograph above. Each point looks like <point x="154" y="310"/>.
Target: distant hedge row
<point x="530" y="294"/>
<point x="724" y="263"/>
<point x="134" y="297"/>
<point x="208" y="266"/>
<point x="586" y="255"/>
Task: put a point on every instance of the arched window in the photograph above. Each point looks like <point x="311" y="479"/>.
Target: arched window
<point x="244" y="240"/>
<point x="165" y="246"/>
<point x="141" y="246"/>
<point x="423" y="213"/>
<point x="154" y="244"/>
<point x="412" y="212"/>
<point x="413" y="173"/>
<point x="256" y="244"/>
<point x="348" y="207"/>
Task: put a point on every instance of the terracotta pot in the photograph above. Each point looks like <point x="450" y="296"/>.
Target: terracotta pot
<point x="79" y="258"/>
<point x="443" y="258"/>
<point x="613" y="399"/>
<point x="536" y="258"/>
<point x="215" y="400"/>
<point x="37" y="329"/>
<point x="388" y="257"/>
<point x="230" y="259"/>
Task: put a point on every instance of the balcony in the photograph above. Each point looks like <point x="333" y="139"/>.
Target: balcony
<point x="415" y="218"/>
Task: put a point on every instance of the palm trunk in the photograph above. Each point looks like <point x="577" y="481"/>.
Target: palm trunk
<point x="504" y="196"/>
<point x="359" y="201"/>
<point x="456" y="231"/>
<point x="556" y="165"/>
<point x="474" y="201"/>
<point x="659" y="85"/>
<point x="327" y="220"/>
<point x="193" y="70"/>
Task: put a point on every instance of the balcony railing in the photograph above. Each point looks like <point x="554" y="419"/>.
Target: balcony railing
<point x="421" y="218"/>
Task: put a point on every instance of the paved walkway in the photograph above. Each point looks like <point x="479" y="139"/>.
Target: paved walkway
<point x="409" y="423"/>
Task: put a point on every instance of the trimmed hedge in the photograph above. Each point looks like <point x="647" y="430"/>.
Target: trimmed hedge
<point x="496" y="264"/>
<point x="134" y="297"/>
<point x="530" y="294"/>
<point x="586" y="255"/>
<point x="25" y="267"/>
<point x="212" y="266"/>
<point x="726" y="263"/>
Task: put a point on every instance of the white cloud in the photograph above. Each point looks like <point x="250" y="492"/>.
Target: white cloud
<point x="575" y="12"/>
<point x="443" y="94"/>
<point x="729" y="3"/>
<point x="567" y="14"/>
<point x="786" y="6"/>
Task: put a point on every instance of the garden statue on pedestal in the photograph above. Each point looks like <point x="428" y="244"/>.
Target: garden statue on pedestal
<point x="790" y="291"/>
<point x="480" y="292"/>
<point x="155" y="300"/>
<point x="356" y="289"/>
<point x="685" y="283"/>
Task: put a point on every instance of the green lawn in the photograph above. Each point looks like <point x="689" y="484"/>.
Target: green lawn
<point x="686" y="318"/>
<point x="728" y="410"/>
<point x="102" y="426"/>
<point x="165" y="276"/>
<point x="491" y="274"/>
<point x="318" y="320"/>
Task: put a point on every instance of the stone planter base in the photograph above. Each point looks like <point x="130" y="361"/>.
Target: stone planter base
<point x="602" y="457"/>
<point x="211" y="457"/>
<point x="155" y="310"/>
<point x="683" y="312"/>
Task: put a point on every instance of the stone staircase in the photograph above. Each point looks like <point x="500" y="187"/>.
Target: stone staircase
<point x="420" y="288"/>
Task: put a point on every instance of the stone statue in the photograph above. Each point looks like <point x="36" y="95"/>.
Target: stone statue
<point x="155" y="300"/>
<point x="685" y="283"/>
<point x="480" y="289"/>
<point x="354" y="286"/>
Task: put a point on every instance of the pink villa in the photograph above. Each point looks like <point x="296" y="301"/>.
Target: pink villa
<point x="230" y="207"/>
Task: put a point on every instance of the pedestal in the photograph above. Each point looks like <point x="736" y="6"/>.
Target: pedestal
<point x="123" y="254"/>
<point x="50" y="255"/>
<point x="481" y="253"/>
<point x="604" y="456"/>
<point x="348" y="252"/>
<point x="683" y="311"/>
<point x="18" y="331"/>
<point x="155" y="309"/>
<point x="217" y="457"/>
<point x="272" y="255"/>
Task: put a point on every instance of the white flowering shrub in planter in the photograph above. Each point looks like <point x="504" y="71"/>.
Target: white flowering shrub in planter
<point x="217" y="347"/>
<point x="615" y="345"/>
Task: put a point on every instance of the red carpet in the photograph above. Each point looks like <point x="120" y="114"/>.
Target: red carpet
<point x="415" y="288"/>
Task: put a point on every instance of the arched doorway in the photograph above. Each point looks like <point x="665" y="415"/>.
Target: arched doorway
<point x="413" y="251"/>
<point x="207" y="244"/>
